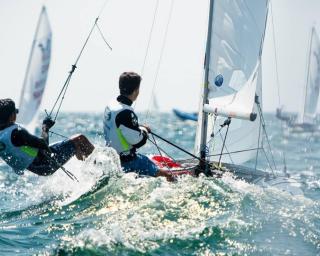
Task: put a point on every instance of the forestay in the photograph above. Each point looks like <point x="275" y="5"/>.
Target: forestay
<point x="37" y="72"/>
<point x="236" y="40"/>
<point x="308" y="114"/>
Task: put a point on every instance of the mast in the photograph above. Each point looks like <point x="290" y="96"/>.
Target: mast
<point x="30" y="55"/>
<point x="307" y="81"/>
<point x="204" y="115"/>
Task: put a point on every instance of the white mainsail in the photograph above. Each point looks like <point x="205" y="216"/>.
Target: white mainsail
<point x="37" y="72"/>
<point x="234" y="47"/>
<point x="312" y="86"/>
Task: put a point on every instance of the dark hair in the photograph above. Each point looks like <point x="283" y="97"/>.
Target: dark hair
<point x="129" y="82"/>
<point x="7" y="107"/>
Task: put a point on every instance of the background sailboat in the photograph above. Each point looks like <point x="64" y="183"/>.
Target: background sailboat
<point x="193" y="116"/>
<point x="306" y="116"/>
<point x="306" y="119"/>
<point x="36" y="74"/>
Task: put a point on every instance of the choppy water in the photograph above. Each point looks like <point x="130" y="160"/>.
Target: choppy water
<point x="108" y="213"/>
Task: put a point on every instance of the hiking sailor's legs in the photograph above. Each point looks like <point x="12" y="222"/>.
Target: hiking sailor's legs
<point x="82" y="145"/>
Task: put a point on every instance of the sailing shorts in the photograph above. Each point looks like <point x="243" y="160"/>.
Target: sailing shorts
<point x="44" y="164"/>
<point x="141" y="165"/>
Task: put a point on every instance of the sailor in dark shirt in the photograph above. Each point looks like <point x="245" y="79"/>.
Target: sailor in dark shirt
<point x="21" y="150"/>
<point x="123" y="132"/>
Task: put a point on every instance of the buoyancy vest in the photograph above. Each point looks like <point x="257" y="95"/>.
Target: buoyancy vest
<point x="18" y="158"/>
<point x="121" y="129"/>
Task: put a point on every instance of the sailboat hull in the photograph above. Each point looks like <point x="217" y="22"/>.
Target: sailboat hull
<point x="303" y="128"/>
<point x="250" y="175"/>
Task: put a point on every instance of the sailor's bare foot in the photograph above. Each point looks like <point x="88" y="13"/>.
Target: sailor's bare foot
<point x="83" y="146"/>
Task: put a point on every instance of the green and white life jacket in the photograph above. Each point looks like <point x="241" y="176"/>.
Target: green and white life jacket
<point x="18" y="158"/>
<point x="121" y="129"/>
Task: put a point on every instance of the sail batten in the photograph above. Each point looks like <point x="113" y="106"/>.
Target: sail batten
<point x="37" y="72"/>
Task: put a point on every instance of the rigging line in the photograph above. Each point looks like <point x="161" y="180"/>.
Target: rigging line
<point x="224" y="141"/>
<point x="161" y="149"/>
<point x="61" y="91"/>
<point x="63" y="96"/>
<point x="103" y="7"/>
<point x="259" y="136"/>
<point x="155" y="143"/>
<point x="148" y="44"/>
<point x="219" y="133"/>
<point x="161" y="55"/>
<point x="103" y="37"/>
<point x="58" y="134"/>
<point x="232" y="152"/>
<point x="275" y="53"/>
<point x="70" y="174"/>
<point x="150" y="34"/>
<point x="176" y="146"/>
<point x="225" y="146"/>
<point x="266" y="134"/>
<point x="74" y="66"/>
<point x="268" y="161"/>
<point x="276" y="64"/>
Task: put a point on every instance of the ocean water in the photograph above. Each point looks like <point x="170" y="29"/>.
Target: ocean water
<point x="111" y="213"/>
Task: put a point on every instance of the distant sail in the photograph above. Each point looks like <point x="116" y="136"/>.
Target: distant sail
<point x="37" y="72"/>
<point x="237" y="34"/>
<point x="312" y="86"/>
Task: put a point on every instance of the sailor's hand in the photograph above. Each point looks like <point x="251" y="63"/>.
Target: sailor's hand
<point x="47" y="123"/>
<point x="146" y="128"/>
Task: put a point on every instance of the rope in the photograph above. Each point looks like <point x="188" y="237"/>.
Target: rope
<point x="103" y="37"/>
<point x="224" y="141"/>
<point x="59" y="135"/>
<point x="275" y="54"/>
<point x="266" y="134"/>
<point x="232" y="152"/>
<point x="236" y="152"/>
<point x="70" y="174"/>
<point x="150" y="34"/>
<point x="74" y="66"/>
<point x="155" y="143"/>
<point x="149" y="41"/>
<point x="259" y="136"/>
<point x="176" y="146"/>
<point x="225" y="146"/>
<point x="160" y="59"/>
<point x="268" y="161"/>
<point x="219" y="133"/>
<point x="277" y="74"/>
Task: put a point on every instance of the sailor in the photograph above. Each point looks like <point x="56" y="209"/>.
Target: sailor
<point x="21" y="150"/>
<point x="123" y="132"/>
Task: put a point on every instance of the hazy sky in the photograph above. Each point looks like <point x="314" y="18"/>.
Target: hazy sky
<point x="126" y="25"/>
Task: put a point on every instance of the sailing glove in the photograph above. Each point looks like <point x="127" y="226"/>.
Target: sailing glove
<point x="47" y="123"/>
